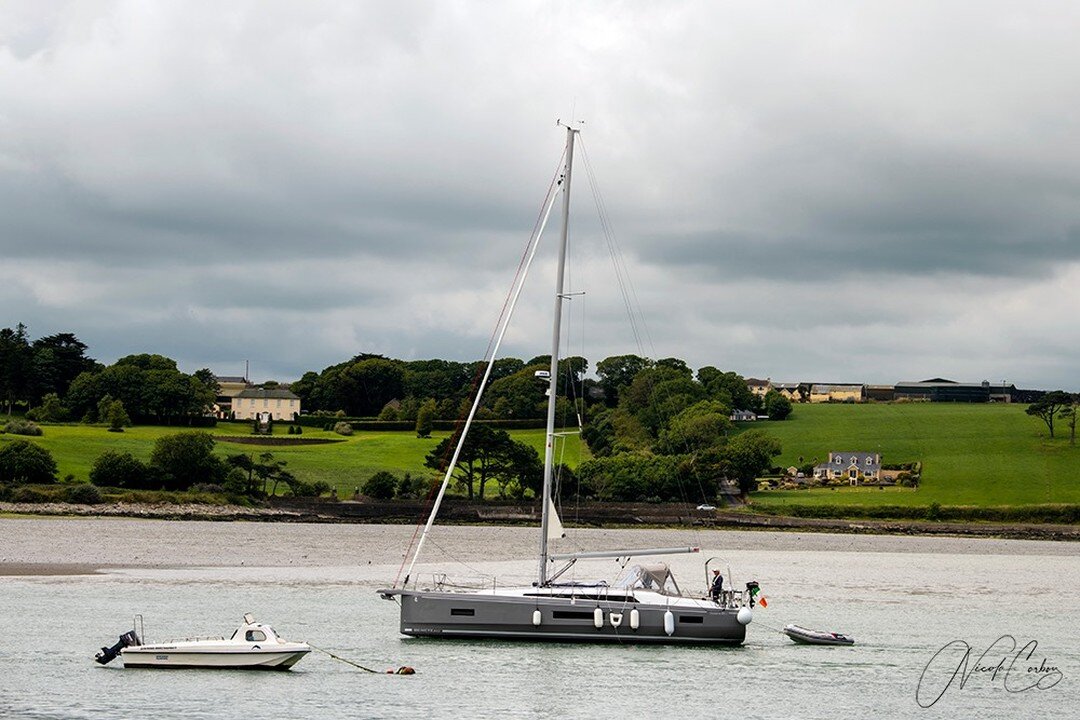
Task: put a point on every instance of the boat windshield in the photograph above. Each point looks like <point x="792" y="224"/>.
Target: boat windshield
<point x="655" y="576"/>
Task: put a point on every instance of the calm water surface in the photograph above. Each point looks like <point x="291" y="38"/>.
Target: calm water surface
<point x="902" y="598"/>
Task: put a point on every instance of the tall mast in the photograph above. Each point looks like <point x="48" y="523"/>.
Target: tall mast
<point x="553" y="381"/>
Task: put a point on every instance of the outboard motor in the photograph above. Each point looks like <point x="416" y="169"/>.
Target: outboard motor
<point x="752" y="589"/>
<point x="109" y="654"/>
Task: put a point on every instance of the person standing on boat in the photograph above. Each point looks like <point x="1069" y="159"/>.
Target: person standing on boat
<point x="717" y="585"/>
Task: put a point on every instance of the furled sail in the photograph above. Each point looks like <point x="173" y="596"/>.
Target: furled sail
<point x="555" y="528"/>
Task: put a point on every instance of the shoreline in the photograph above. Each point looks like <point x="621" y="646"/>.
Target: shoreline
<point x="370" y="513"/>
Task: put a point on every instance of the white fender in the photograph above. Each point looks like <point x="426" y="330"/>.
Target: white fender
<point x="598" y="618"/>
<point x="635" y="619"/>
<point x="745" y="615"/>
<point x="616" y="619"/>
<point x="536" y="617"/>
<point x="669" y="622"/>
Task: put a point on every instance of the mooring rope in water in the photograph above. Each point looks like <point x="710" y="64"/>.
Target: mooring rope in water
<point x="403" y="670"/>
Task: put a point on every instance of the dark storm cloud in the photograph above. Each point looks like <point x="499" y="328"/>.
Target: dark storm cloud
<point x="293" y="183"/>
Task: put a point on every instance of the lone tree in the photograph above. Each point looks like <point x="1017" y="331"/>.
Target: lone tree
<point x="748" y="454"/>
<point x="1049" y="406"/>
<point x="425" y="419"/>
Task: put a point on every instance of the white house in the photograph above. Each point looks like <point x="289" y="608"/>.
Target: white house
<point x="282" y="404"/>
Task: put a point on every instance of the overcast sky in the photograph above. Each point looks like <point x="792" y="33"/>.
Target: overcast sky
<point x="842" y="191"/>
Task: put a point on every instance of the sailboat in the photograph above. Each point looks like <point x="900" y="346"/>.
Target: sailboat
<point x="644" y="605"/>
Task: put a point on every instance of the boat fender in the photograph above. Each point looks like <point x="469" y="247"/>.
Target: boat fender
<point x="616" y="619"/>
<point x="745" y="615"/>
<point x="635" y="619"/>
<point x="536" y="617"/>
<point x="669" y="622"/>
<point x="598" y="618"/>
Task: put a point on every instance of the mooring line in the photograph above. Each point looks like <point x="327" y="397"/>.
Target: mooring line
<point x="403" y="670"/>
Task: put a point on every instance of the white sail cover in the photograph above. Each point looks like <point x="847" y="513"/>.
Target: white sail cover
<point x="555" y="528"/>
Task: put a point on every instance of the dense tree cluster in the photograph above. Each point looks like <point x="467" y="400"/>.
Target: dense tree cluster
<point x="31" y="370"/>
<point x="668" y="436"/>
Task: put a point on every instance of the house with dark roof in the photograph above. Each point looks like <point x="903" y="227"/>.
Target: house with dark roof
<point x="854" y="465"/>
<point x="280" y="403"/>
<point x="758" y="387"/>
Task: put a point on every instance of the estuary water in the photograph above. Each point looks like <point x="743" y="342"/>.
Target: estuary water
<point x="70" y="586"/>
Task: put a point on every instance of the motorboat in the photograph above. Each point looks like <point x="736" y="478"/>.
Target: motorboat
<point x="806" y="636"/>
<point x="253" y="646"/>
<point x="645" y="605"/>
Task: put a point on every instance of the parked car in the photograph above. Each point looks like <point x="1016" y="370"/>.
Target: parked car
<point x="706" y="507"/>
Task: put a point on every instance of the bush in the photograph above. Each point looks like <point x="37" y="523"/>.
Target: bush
<point x="121" y="470"/>
<point x="381" y="485"/>
<point x="206" y="488"/>
<point x="84" y="495"/>
<point x="343" y="428"/>
<point x="23" y="427"/>
<point x="50" y="410"/>
<point x="21" y="461"/>
<point x="299" y="488"/>
<point x="187" y="458"/>
<point x="413" y="487"/>
<point x="31" y="495"/>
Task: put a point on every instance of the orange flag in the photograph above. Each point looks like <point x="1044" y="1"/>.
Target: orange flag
<point x="763" y="602"/>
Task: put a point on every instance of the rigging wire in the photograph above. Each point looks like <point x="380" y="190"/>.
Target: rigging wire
<point x="519" y="279"/>
<point x="636" y="317"/>
<point x="638" y="327"/>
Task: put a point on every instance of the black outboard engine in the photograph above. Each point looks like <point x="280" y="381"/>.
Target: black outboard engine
<point x="107" y="655"/>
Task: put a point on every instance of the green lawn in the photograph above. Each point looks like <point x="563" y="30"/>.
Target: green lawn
<point x="344" y="465"/>
<point x="971" y="454"/>
<point x="982" y="455"/>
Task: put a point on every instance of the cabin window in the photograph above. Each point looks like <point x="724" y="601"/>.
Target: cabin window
<point x="467" y="612"/>
<point x="255" y="636"/>
<point x="692" y="619"/>
<point x="571" y="615"/>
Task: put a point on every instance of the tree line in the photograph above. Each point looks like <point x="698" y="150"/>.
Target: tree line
<point x="656" y="428"/>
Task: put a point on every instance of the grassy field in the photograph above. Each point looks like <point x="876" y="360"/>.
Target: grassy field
<point x="978" y="455"/>
<point x="344" y="465"/>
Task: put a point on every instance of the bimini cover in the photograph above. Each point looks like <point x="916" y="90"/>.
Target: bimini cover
<point x="653" y="576"/>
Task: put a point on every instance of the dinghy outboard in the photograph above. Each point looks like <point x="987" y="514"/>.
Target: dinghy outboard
<point x="805" y="636"/>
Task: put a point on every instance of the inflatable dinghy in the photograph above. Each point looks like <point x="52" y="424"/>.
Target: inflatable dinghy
<point x="806" y="636"/>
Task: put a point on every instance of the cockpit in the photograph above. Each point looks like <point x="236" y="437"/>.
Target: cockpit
<point x="656" y="577"/>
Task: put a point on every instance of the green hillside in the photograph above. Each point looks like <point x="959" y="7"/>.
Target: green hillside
<point x="983" y="455"/>
<point x="971" y="454"/>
